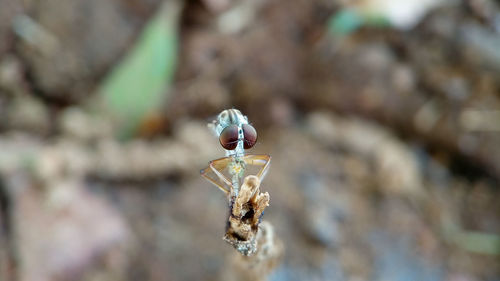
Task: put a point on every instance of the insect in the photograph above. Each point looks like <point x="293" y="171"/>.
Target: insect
<point x="235" y="135"/>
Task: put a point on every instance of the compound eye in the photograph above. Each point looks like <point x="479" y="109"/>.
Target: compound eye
<point x="229" y="137"/>
<point x="250" y="136"/>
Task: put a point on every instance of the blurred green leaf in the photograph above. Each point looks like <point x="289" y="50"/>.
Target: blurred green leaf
<point x="472" y="241"/>
<point x="346" y="21"/>
<point x="478" y="242"/>
<point x="138" y="85"/>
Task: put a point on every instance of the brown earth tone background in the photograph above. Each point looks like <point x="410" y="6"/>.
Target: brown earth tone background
<point x="383" y="127"/>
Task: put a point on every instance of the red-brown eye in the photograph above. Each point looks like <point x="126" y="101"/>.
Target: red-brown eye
<point x="250" y="136"/>
<point x="229" y="137"/>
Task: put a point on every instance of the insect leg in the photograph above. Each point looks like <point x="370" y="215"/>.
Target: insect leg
<point x="216" y="166"/>
<point x="259" y="160"/>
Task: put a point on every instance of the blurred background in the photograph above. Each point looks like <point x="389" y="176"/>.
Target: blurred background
<point x="382" y="118"/>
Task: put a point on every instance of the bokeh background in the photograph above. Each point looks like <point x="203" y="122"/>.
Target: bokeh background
<point x="382" y="118"/>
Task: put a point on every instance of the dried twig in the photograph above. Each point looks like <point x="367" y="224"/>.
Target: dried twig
<point x="244" y="217"/>
<point x="260" y="248"/>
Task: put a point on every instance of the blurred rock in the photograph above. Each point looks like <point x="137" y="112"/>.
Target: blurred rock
<point x="238" y="17"/>
<point x="8" y="9"/>
<point x="142" y="159"/>
<point x="320" y="219"/>
<point x="481" y="46"/>
<point x="395" y="166"/>
<point x="29" y="114"/>
<point x="282" y="112"/>
<point x="75" y="122"/>
<point x="11" y="71"/>
<point x="397" y="169"/>
<point x="217" y="5"/>
<point x="61" y="234"/>
<point x="394" y="260"/>
<point x="88" y="37"/>
<point x="106" y="158"/>
<point x="403" y="79"/>
<point x="428" y="114"/>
